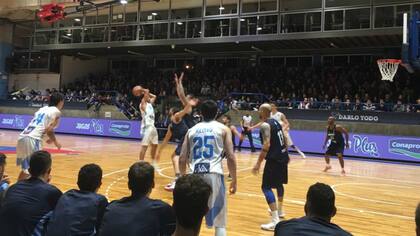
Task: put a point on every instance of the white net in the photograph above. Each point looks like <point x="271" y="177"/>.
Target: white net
<point x="388" y="68"/>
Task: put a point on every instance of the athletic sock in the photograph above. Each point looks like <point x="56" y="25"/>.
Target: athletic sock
<point x="275" y="216"/>
<point x="220" y="231"/>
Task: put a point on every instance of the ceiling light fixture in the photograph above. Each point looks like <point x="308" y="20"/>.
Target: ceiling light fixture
<point x="123" y="1"/>
<point x="77" y="19"/>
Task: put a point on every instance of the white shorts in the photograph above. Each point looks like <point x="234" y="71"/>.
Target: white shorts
<point x="150" y="136"/>
<point x="289" y="141"/>
<point x="216" y="216"/>
<point x="24" y="149"/>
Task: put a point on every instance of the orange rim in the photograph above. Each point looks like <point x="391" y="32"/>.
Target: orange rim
<point x="392" y="61"/>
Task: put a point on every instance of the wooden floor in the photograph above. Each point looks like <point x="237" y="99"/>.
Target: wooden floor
<point x="373" y="199"/>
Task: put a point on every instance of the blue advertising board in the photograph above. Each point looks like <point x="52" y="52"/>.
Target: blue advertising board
<point x="394" y="148"/>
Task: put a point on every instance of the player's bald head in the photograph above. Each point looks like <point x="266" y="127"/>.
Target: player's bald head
<point x="265" y="110"/>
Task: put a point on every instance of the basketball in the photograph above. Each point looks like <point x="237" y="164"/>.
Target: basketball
<point x="137" y="90"/>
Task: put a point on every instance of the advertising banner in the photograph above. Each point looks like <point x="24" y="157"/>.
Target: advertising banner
<point x="361" y="145"/>
<point x="85" y="126"/>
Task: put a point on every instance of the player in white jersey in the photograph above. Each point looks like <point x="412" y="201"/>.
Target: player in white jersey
<point x="204" y="146"/>
<point x="281" y="118"/>
<point x="148" y="130"/>
<point x="45" y="120"/>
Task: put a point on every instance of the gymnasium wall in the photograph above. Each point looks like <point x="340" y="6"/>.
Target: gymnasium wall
<point x="73" y="68"/>
<point x="36" y="81"/>
<point x="6" y="47"/>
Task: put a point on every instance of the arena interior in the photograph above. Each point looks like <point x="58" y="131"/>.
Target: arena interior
<point x="345" y="73"/>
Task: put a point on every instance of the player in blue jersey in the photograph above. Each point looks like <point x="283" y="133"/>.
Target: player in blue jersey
<point x="337" y="144"/>
<point x="275" y="174"/>
<point x="203" y="147"/>
<point x="181" y="121"/>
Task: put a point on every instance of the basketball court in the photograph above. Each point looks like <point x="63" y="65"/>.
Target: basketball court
<point x="375" y="198"/>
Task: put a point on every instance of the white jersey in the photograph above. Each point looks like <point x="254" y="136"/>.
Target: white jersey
<point x="278" y="116"/>
<point x="148" y="116"/>
<point x="42" y="118"/>
<point x="206" y="147"/>
<point x="247" y="121"/>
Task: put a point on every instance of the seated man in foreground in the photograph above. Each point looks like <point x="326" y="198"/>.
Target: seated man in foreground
<point x="138" y="214"/>
<point x="79" y="212"/>
<point x="319" y="209"/>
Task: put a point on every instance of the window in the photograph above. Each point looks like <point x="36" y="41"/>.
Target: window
<point x="400" y="10"/>
<point x="97" y="17"/>
<point x="178" y="29"/>
<point x="293" y="23"/>
<point x="259" y="5"/>
<point x="291" y="5"/>
<point x="334" y="20"/>
<point x="249" y="26"/>
<point x="221" y="7"/>
<point x="131" y="11"/>
<point x="221" y="27"/>
<point x="93" y="35"/>
<point x="45" y="37"/>
<point x="267" y="24"/>
<point x="358" y="18"/>
<point x="384" y="17"/>
<point x="340" y="3"/>
<point x="194" y="29"/>
<point x="117" y="13"/>
<point x="123" y="33"/>
<point x="70" y="36"/>
<point x="153" y="31"/>
<point x="313" y="21"/>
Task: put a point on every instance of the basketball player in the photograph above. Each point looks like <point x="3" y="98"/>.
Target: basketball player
<point x="45" y="120"/>
<point x="181" y="121"/>
<point x="275" y="174"/>
<point x="246" y="124"/>
<point x="281" y="118"/>
<point x="148" y="129"/>
<point x="203" y="146"/>
<point x="336" y="147"/>
<point x="226" y="120"/>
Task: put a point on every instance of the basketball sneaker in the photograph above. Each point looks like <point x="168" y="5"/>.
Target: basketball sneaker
<point x="170" y="187"/>
<point x="281" y="213"/>
<point x="274" y="221"/>
<point x="327" y="168"/>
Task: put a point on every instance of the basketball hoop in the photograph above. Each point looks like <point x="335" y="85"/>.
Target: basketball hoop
<point x="388" y="68"/>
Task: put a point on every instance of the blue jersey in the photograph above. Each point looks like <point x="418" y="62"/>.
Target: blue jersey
<point x="77" y="213"/>
<point x="27" y="207"/>
<point x="179" y="130"/>
<point x="278" y="147"/>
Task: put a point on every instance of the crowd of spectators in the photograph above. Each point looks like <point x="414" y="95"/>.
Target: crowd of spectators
<point x="36" y="207"/>
<point x="353" y="88"/>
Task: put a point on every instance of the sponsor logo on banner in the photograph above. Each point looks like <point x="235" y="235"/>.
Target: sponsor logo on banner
<point x="19" y="122"/>
<point x="7" y="121"/>
<point x="407" y="147"/>
<point x="120" y="128"/>
<point x="98" y="128"/>
<point x="355" y="117"/>
<point x="82" y="126"/>
<point x="362" y="144"/>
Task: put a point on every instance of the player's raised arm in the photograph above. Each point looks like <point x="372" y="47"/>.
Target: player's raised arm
<point x="145" y="99"/>
<point x="177" y="117"/>
<point x="183" y="157"/>
<point x="265" y="133"/>
<point x="231" y="159"/>
<point x="152" y="98"/>
<point x="180" y="89"/>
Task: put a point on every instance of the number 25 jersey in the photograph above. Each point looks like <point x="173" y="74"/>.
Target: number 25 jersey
<point x="206" y="147"/>
<point x="37" y="126"/>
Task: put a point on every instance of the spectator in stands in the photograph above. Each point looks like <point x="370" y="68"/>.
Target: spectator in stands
<point x="399" y="107"/>
<point x="346" y="106"/>
<point x="381" y="106"/>
<point x="80" y="212"/>
<point x="417" y="106"/>
<point x="418" y="220"/>
<point x="28" y="204"/>
<point x="357" y="105"/>
<point x="191" y="195"/>
<point x="4" y="178"/>
<point x="138" y="214"/>
<point x="319" y="209"/>
<point x="368" y="106"/>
